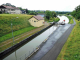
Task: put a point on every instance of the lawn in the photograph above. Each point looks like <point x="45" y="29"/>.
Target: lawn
<point x="71" y="49"/>
<point x="19" y="25"/>
<point x="8" y="36"/>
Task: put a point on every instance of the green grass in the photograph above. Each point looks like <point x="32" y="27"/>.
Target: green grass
<point x="71" y="49"/>
<point x="7" y="36"/>
<point x="18" y="23"/>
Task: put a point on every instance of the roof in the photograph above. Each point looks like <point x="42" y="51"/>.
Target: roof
<point x="9" y="7"/>
<point x="38" y="17"/>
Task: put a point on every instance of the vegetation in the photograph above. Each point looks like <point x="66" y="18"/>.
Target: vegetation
<point x="8" y="4"/>
<point x="63" y="12"/>
<point x="48" y="14"/>
<point x="76" y="13"/>
<point x="71" y="49"/>
<point x="18" y="23"/>
<point x="7" y="36"/>
<point x="51" y="16"/>
<point x="54" y="19"/>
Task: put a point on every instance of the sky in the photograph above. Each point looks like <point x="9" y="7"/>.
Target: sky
<point x="53" y="5"/>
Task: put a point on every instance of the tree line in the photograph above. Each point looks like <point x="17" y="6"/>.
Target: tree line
<point x="76" y="13"/>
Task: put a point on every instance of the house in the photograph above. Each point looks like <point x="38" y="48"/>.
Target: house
<point x="10" y="9"/>
<point x="36" y="21"/>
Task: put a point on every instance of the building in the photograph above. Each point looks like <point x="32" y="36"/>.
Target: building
<point x="36" y="21"/>
<point x="10" y="9"/>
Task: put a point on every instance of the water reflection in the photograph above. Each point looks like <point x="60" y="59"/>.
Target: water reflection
<point x="63" y="18"/>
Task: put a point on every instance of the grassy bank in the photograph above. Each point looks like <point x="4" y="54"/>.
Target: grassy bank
<point x="71" y="49"/>
<point x="8" y="36"/>
<point x="18" y="23"/>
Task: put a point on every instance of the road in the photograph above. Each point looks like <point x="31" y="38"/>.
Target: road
<point x="52" y="47"/>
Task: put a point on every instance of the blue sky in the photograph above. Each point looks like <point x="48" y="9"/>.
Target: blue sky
<point x="55" y="5"/>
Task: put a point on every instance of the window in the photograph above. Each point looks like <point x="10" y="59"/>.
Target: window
<point x="34" y="21"/>
<point x="12" y="9"/>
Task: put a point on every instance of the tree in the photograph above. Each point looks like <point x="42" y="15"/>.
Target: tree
<point x="76" y="13"/>
<point x="67" y="13"/>
<point x="48" y="14"/>
<point x="77" y="8"/>
<point x="8" y="4"/>
<point x="20" y="8"/>
<point x="26" y="10"/>
<point x="73" y="13"/>
<point x="33" y="13"/>
<point x="53" y="14"/>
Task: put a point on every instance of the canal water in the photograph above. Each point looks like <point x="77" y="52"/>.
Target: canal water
<point x="19" y="54"/>
<point x="63" y="18"/>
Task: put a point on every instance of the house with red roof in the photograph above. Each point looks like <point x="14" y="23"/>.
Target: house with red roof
<point x="36" y="21"/>
<point x="10" y="9"/>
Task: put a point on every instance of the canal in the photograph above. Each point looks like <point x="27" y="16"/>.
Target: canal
<point x="30" y="46"/>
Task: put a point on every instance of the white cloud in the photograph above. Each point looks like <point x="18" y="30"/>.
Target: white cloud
<point x="58" y="5"/>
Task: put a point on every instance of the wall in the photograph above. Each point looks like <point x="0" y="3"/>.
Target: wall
<point x="17" y="11"/>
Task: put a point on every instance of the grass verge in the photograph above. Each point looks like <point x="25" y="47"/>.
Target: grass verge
<point x="71" y="49"/>
<point x="15" y="33"/>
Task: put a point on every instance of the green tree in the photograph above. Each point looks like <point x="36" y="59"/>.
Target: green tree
<point x="48" y="14"/>
<point x="53" y="14"/>
<point x="26" y="10"/>
<point x="76" y="13"/>
<point x="73" y="13"/>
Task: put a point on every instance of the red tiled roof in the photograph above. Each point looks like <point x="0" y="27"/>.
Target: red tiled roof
<point x="10" y="7"/>
<point x="38" y="17"/>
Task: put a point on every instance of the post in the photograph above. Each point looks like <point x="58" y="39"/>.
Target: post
<point x="12" y="32"/>
<point x="12" y="29"/>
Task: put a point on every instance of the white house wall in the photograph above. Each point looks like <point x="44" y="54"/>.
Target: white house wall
<point x="18" y="11"/>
